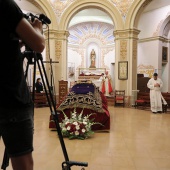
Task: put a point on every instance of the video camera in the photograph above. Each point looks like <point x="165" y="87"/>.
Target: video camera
<point x="44" y="19"/>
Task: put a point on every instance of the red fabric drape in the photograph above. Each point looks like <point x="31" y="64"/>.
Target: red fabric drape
<point x="103" y="87"/>
<point x="110" y="87"/>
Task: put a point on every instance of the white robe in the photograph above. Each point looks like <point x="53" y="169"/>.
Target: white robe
<point x="156" y="97"/>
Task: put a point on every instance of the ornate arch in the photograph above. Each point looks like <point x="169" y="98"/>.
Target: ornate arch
<point x="134" y="13"/>
<point x="165" y="23"/>
<point x="105" y="6"/>
<point x="45" y="7"/>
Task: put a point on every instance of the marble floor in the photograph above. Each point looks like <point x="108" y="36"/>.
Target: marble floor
<point x="138" y="140"/>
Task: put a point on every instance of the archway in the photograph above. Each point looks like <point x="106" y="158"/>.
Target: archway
<point x="110" y="11"/>
<point x="94" y="33"/>
<point x="150" y="18"/>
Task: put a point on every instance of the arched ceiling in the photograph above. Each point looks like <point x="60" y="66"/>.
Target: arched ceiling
<point x="27" y="6"/>
<point x="156" y="4"/>
<point x="90" y="15"/>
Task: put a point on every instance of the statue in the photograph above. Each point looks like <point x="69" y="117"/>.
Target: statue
<point x="93" y="59"/>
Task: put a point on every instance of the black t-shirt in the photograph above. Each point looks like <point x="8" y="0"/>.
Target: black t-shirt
<point x="13" y="87"/>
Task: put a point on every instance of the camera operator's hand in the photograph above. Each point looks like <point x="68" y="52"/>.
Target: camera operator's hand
<point x="31" y="34"/>
<point x="37" y="24"/>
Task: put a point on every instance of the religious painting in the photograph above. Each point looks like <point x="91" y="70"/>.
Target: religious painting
<point x="164" y="54"/>
<point x="122" y="70"/>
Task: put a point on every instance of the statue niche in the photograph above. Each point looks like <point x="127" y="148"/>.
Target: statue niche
<point x="93" y="59"/>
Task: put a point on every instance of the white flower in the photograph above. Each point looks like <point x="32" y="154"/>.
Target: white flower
<point x="77" y="127"/>
<point x="83" y="130"/>
<point x="68" y="128"/>
<point x="76" y="120"/>
<point x="76" y="133"/>
<point x="66" y="122"/>
<point x="64" y="129"/>
<point x="75" y="123"/>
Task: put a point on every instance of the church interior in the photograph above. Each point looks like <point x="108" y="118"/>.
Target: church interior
<point x="127" y="41"/>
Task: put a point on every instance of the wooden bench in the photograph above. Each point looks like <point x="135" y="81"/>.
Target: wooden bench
<point x="143" y="99"/>
<point x="40" y="100"/>
<point x="166" y="96"/>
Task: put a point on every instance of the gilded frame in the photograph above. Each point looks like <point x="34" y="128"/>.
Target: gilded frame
<point x="164" y="54"/>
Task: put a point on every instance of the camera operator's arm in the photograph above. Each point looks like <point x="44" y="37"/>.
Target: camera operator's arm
<point x="31" y="34"/>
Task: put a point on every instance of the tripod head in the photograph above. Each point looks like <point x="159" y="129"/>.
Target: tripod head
<point x="44" y="19"/>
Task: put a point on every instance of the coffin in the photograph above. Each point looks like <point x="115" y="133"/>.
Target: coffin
<point x="85" y="96"/>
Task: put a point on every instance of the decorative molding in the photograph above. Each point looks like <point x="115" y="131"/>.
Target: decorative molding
<point x="123" y="6"/>
<point x="146" y="3"/>
<point x="47" y="49"/>
<point x="81" y="52"/>
<point x="80" y="33"/>
<point x="60" y="6"/>
<point x="128" y="34"/>
<point x="159" y="38"/>
<point x="146" y="69"/>
<point x="58" y="50"/>
<point x="103" y="54"/>
<point x="134" y="52"/>
<point x="123" y="50"/>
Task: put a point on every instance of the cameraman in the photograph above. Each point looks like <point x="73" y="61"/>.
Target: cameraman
<point x="16" y="106"/>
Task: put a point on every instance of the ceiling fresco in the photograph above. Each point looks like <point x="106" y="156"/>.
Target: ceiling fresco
<point x="80" y="33"/>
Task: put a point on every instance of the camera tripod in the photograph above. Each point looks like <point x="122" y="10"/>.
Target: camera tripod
<point x="36" y="58"/>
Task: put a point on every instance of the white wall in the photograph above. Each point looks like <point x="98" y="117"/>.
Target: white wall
<point x="149" y="21"/>
<point x="148" y="53"/>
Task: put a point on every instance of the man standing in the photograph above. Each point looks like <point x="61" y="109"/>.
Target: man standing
<point x="16" y="106"/>
<point x="155" y="84"/>
<point x="106" y="85"/>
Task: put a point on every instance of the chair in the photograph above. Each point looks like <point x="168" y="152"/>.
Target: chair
<point x="143" y="100"/>
<point x="120" y="97"/>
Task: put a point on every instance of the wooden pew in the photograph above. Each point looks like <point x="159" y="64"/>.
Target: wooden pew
<point x="40" y="99"/>
<point x="143" y="99"/>
<point x="166" y="96"/>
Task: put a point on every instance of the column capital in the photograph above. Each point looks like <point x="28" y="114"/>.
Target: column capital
<point x="126" y="34"/>
<point x="57" y="34"/>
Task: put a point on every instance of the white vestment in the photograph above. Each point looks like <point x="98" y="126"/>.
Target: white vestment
<point x="156" y="97"/>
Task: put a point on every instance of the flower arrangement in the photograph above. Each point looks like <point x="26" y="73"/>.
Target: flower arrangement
<point x="77" y="126"/>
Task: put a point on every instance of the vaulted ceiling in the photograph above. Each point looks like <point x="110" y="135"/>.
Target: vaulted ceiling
<point x="91" y="14"/>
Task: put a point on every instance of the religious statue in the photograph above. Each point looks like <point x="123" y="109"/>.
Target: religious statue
<point x="93" y="59"/>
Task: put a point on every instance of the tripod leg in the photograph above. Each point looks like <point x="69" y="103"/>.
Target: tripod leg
<point x="5" y="161"/>
<point x="53" y="109"/>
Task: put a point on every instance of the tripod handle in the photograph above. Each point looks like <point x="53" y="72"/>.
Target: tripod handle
<point x="72" y="163"/>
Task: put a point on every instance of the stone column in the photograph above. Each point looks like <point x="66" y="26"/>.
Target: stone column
<point x="126" y="50"/>
<point x="58" y="52"/>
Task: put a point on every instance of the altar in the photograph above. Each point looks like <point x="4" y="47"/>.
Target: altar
<point x="90" y="73"/>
